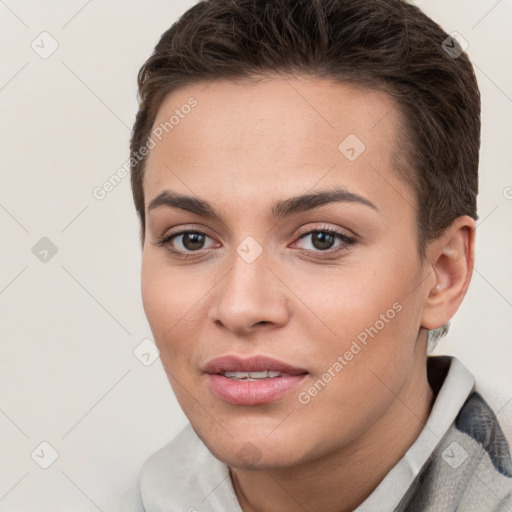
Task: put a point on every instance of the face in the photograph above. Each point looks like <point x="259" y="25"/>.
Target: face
<point x="330" y="284"/>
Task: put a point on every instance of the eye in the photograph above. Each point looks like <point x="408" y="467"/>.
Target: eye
<point x="321" y="240"/>
<point x="324" y="240"/>
<point x="184" y="242"/>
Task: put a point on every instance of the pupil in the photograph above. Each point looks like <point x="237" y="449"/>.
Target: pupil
<point x="325" y="240"/>
<point x="196" y="240"/>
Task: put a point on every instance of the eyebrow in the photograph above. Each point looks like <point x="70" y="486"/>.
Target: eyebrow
<point x="280" y="209"/>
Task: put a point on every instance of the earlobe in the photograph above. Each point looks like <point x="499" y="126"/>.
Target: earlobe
<point x="453" y="258"/>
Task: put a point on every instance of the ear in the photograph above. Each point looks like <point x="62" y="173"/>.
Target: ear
<point x="452" y="258"/>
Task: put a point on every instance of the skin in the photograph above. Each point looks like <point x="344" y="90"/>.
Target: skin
<point x="242" y="148"/>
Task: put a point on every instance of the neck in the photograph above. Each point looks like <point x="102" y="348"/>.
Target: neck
<point x="343" y="479"/>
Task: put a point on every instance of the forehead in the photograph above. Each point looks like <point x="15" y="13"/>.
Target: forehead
<point x="287" y="135"/>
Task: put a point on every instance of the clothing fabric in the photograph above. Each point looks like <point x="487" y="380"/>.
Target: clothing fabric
<point x="460" y="461"/>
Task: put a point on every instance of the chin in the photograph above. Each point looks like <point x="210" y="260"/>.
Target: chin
<point x="250" y="458"/>
<point x="246" y="451"/>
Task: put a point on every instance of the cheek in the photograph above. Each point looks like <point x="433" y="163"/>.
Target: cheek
<point x="375" y="320"/>
<point x="157" y="296"/>
<point x="168" y="301"/>
<point x="349" y="301"/>
<point x="372" y="306"/>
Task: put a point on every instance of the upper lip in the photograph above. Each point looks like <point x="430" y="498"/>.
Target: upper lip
<point x="257" y="363"/>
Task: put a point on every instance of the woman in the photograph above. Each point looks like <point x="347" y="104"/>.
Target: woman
<point x="305" y="173"/>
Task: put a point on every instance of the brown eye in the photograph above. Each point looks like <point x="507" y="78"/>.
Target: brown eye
<point x="322" y="240"/>
<point x="193" y="241"/>
<point x="325" y="240"/>
<point x="184" y="242"/>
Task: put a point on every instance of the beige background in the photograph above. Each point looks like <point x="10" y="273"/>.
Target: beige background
<point x="69" y="326"/>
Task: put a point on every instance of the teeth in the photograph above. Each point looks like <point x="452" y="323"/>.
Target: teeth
<point x="252" y="376"/>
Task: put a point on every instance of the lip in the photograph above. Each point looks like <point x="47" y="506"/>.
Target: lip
<point x="259" y="363"/>
<point x="239" y="392"/>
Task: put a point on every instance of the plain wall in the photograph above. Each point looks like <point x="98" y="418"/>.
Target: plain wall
<point x="69" y="325"/>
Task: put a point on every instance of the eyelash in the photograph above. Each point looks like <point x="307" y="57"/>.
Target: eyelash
<point x="348" y="242"/>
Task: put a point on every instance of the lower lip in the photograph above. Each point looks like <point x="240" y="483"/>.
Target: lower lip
<point x="239" y="392"/>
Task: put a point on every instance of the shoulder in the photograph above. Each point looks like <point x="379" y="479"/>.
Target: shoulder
<point x="499" y="402"/>
<point x="485" y="423"/>
<point x="471" y="467"/>
<point x="486" y="417"/>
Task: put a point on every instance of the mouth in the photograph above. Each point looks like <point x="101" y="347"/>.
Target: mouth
<point x="253" y="376"/>
<point x="252" y="381"/>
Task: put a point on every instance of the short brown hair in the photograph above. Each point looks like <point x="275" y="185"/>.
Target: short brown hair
<point x="386" y="45"/>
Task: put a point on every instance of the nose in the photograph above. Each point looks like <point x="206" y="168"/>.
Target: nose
<point x="249" y="297"/>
